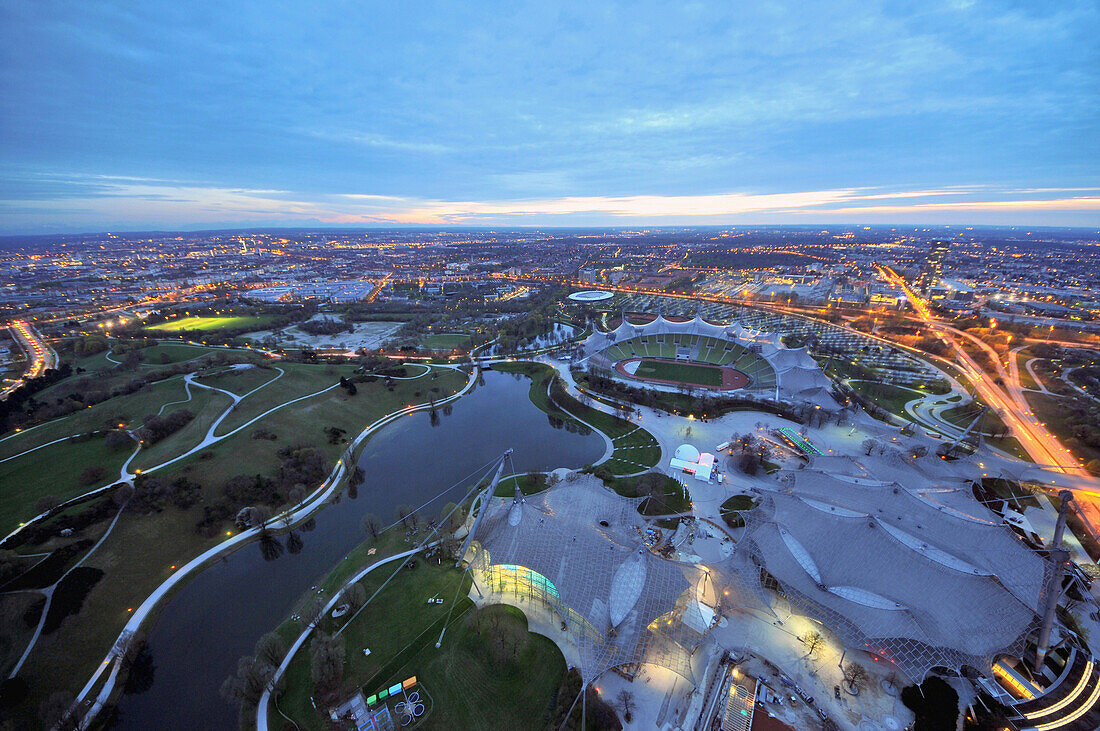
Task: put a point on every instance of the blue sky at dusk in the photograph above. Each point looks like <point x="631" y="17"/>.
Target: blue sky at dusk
<point x="127" y="115"/>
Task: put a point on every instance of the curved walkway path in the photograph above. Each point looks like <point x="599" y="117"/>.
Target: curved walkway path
<point x="291" y="517"/>
<point x="265" y="699"/>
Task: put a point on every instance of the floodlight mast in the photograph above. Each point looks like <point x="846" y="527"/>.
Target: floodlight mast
<point x="485" y="495"/>
<point x="1060" y="556"/>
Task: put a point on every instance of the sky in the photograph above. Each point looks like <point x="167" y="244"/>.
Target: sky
<point x="186" y="115"/>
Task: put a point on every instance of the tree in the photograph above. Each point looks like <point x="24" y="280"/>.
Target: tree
<point x="270" y="649"/>
<point x="371" y="525"/>
<point x="456" y="519"/>
<point x="356" y="596"/>
<point x="406" y="513"/>
<point x="868" y="446"/>
<point x="247" y="685"/>
<point x="92" y="473"/>
<point x="855" y="675"/>
<point x="813" y="642"/>
<point x="118" y="440"/>
<point x="625" y="700"/>
<point x="326" y="661"/>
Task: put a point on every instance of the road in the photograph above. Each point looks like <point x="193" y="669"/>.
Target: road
<point x="1059" y="464"/>
<point x="1009" y="402"/>
<point x="40" y="355"/>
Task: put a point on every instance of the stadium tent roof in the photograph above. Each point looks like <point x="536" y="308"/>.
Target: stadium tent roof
<point x="783" y="359"/>
<point x="920" y="582"/>
<point x="805" y="381"/>
<point x="658" y="326"/>
<point x="584" y="544"/>
<point x="798" y="378"/>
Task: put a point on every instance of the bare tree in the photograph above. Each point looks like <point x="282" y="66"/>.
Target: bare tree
<point x="270" y="649"/>
<point x="625" y="701"/>
<point x="356" y="595"/>
<point x="855" y="675"/>
<point x="371" y="525"/>
<point x="868" y="446"/>
<point x="813" y="642"/>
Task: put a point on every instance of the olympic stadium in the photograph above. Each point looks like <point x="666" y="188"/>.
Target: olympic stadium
<point x="673" y="355"/>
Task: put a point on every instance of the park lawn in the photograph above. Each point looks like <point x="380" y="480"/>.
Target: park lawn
<point x="673" y="497"/>
<point x="1010" y="445"/>
<point x="305" y="422"/>
<point x="529" y="484"/>
<point x="1026" y="380"/>
<point x="128" y="409"/>
<point x="238" y="381"/>
<point x="962" y="416"/>
<point x="55" y="471"/>
<point x="206" y="406"/>
<point x="1052" y="414"/>
<point x="92" y="363"/>
<point x="887" y="395"/>
<point x="66" y="659"/>
<point x="469" y="684"/>
<point x="444" y="341"/>
<point x="298" y="379"/>
<point x="17" y="633"/>
<point x="209" y="324"/>
<point x="169" y="353"/>
<point x="666" y="370"/>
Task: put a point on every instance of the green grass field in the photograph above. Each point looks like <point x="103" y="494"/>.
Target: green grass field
<point x="471" y="683"/>
<point x="54" y="471"/>
<point x="141" y="551"/>
<point x="887" y="395"/>
<point x="208" y="324"/>
<point x="680" y="372"/>
<point x="444" y="341"/>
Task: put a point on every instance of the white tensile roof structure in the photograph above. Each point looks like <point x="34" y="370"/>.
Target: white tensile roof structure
<point x="798" y="374"/>
<point x="626" y="330"/>
<point x="922" y="578"/>
<point x="579" y="548"/>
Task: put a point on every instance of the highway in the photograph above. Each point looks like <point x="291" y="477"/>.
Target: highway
<point x="40" y="356"/>
<point x="1009" y="403"/>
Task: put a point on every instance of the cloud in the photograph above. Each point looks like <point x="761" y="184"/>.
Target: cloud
<point x="165" y="204"/>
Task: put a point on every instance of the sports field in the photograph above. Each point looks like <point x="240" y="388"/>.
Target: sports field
<point x="210" y="323"/>
<point x="663" y="370"/>
<point x="444" y="341"/>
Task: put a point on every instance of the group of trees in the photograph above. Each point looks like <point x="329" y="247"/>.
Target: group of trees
<point x="566" y="713"/>
<point x="300" y="465"/>
<point x="21" y="406"/>
<point x="255" y="674"/>
<point x="326" y="663"/>
<point x="152" y="494"/>
<point x="154" y="427"/>
<point x="748" y="452"/>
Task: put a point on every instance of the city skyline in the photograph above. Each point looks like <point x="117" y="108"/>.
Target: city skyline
<point x="157" y="117"/>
